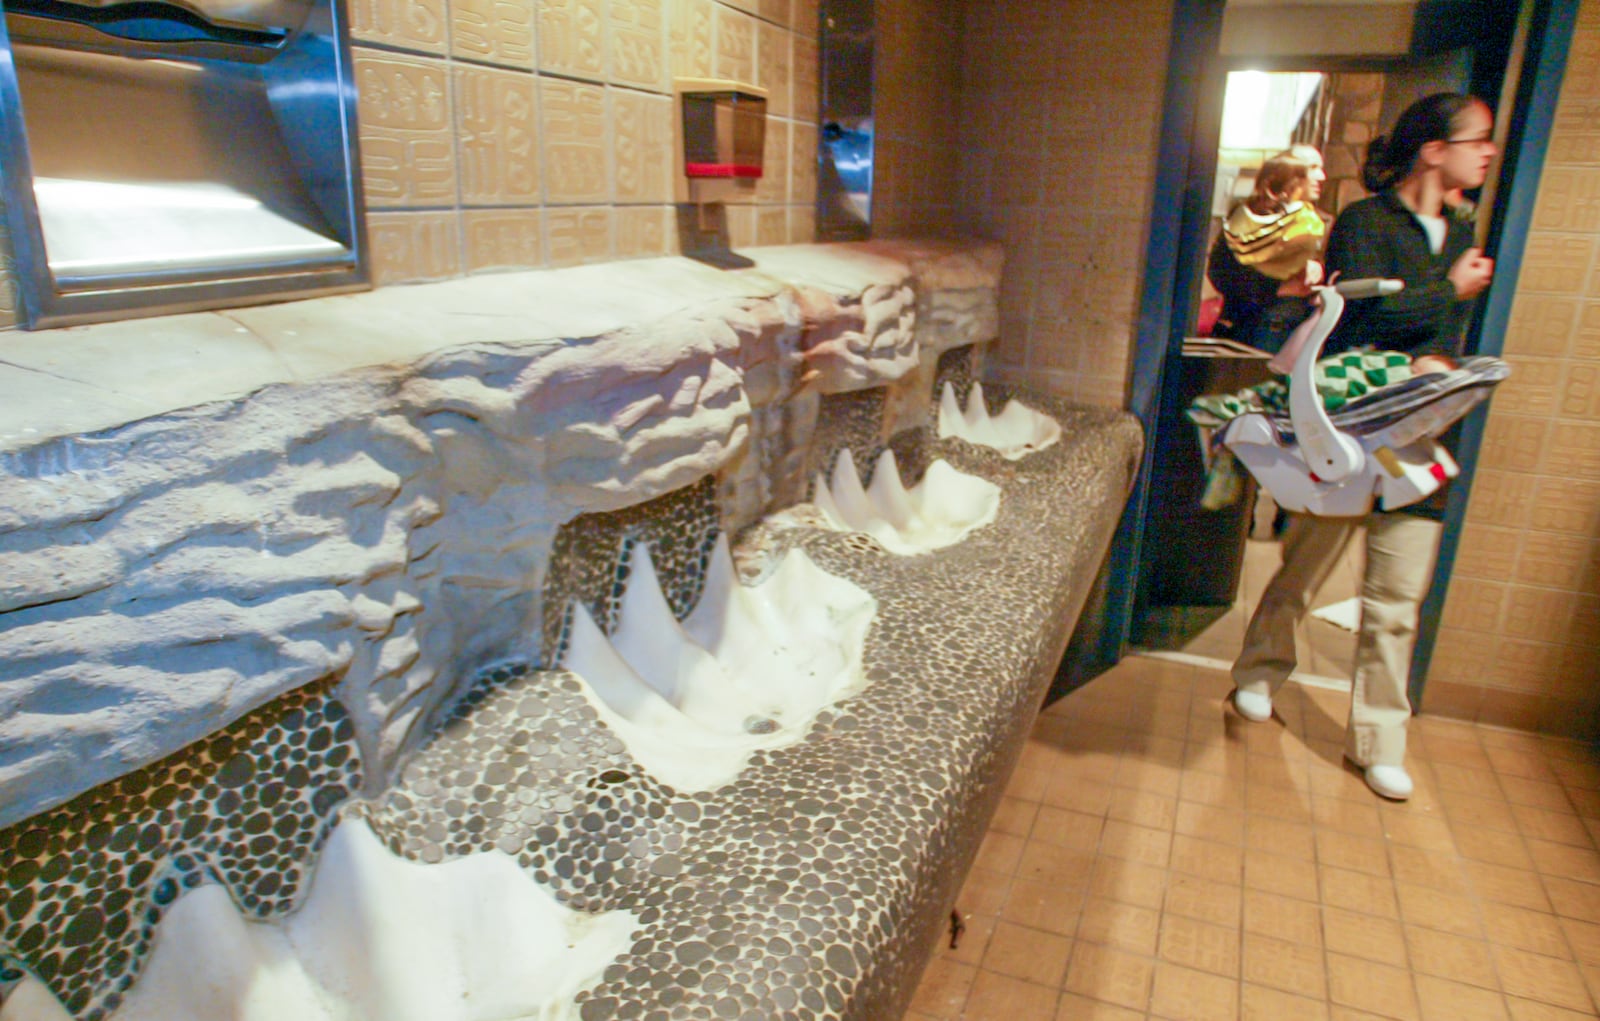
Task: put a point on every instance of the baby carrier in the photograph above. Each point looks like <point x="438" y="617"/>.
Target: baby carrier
<point x="1379" y="446"/>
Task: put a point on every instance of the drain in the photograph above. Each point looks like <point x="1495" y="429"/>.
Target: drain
<point x="760" y="725"/>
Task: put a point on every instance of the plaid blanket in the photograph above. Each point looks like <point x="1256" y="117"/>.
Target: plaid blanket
<point x="1340" y="379"/>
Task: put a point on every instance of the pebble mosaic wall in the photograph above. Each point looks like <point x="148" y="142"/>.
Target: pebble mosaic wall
<point x="810" y="887"/>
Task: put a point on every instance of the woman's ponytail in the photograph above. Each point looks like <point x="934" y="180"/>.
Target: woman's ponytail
<point x="1391" y="157"/>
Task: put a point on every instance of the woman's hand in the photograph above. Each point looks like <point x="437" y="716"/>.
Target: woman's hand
<point x="1300" y="286"/>
<point x="1471" y="273"/>
<point x="1425" y="364"/>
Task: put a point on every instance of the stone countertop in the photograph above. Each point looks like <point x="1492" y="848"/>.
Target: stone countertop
<point x="84" y="379"/>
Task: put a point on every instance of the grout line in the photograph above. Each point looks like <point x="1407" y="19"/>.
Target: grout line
<point x="1211" y="662"/>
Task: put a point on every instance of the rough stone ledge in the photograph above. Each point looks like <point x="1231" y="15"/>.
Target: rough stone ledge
<point x="200" y="513"/>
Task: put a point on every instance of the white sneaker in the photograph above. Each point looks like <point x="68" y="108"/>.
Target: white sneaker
<point x="1393" y="782"/>
<point x="1253" y="707"/>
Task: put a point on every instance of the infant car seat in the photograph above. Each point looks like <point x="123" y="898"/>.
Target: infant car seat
<point x="1378" y="447"/>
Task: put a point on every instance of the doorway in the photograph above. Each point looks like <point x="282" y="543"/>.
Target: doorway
<point x="1532" y="43"/>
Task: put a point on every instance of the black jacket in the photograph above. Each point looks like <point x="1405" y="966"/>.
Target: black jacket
<point x="1379" y="237"/>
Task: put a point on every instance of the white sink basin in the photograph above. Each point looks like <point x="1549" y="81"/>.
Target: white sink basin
<point x="941" y="510"/>
<point x="749" y="669"/>
<point x="1016" y="432"/>
<point x="378" y="938"/>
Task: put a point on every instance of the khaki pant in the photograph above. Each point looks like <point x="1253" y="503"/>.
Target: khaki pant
<point x="1401" y="549"/>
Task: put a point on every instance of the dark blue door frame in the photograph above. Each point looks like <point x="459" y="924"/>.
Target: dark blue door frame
<point x="1185" y="168"/>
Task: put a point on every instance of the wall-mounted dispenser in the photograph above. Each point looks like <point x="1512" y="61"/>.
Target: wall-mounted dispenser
<point x="722" y="130"/>
<point x="171" y="155"/>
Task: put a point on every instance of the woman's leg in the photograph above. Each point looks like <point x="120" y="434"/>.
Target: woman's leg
<point x="1401" y="549"/>
<point x="1311" y="549"/>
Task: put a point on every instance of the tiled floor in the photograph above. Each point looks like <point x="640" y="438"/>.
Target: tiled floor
<point x="1156" y="856"/>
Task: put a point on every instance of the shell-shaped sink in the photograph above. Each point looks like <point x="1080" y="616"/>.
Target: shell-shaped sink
<point x="941" y="510"/>
<point x="1016" y="432"/>
<point x="378" y="938"/>
<point x="748" y="669"/>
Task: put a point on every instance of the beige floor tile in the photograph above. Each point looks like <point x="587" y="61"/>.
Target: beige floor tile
<point x="1105" y="973"/>
<point x="1129" y="882"/>
<point x="944" y="988"/>
<point x="1139" y="844"/>
<point x="1218" y="863"/>
<point x="1363" y="935"/>
<point x="1000" y="852"/>
<point x="1205" y="900"/>
<point x="1076" y="831"/>
<point x="1080" y="794"/>
<point x="1458" y="958"/>
<point x="1124" y="926"/>
<point x="1534" y="931"/>
<point x="1532" y="1010"/>
<point x="1421" y="831"/>
<point x="1573" y="899"/>
<point x="984" y="892"/>
<point x="1434" y="870"/>
<point x="1199" y="945"/>
<point x="1215" y="823"/>
<point x="1545" y="979"/>
<point x="997" y="997"/>
<point x="1517" y="887"/>
<point x="1552" y="797"/>
<point x="1080" y="1008"/>
<point x="1434" y="909"/>
<point x="1565" y="861"/>
<point x="1186" y="994"/>
<point x="1583" y="938"/>
<point x="1014" y="816"/>
<point x="1559" y="827"/>
<point x="1341" y="850"/>
<point x="1046" y="863"/>
<point x="1497" y="847"/>
<point x="1028" y="954"/>
<point x="1146" y="808"/>
<point x="1260" y="1003"/>
<point x="975" y="936"/>
<point x="1286" y="918"/>
<point x="1280" y="836"/>
<point x="1285" y="965"/>
<point x="1281" y="874"/>
<point x="1358" y="891"/>
<point x="1369" y="986"/>
<point x="1357" y="818"/>
<point x="1043" y="906"/>
<point x="1464" y="810"/>
<point x="1443" y="1000"/>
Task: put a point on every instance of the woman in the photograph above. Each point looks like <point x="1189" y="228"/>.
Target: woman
<point x="1264" y="262"/>
<point x="1439" y="144"/>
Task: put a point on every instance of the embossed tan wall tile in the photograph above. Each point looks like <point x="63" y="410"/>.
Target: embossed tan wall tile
<point x="645" y="231"/>
<point x="775" y="11"/>
<point x="1556" y="560"/>
<point x="741" y="226"/>
<point x="1534" y="387"/>
<point x="407" y="145"/>
<point x="802" y="224"/>
<point x="574" y="137"/>
<point x="497" y="128"/>
<point x="1580" y="390"/>
<point x="642" y="141"/>
<point x="1574" y="451"/>
<point x="504" y="239"/>
<point x="578" y="234"/>
<point x="1487" y="551"/>
<point x="1561" y="505"/>
<point x="736" y="45"/>
<point x="775" y="66"/>
<point x="690" y="35"/>
<point x="803" y="164"/>
<point x="572" y="36"/>
<point x="1569" y="199"/>
<point x="10" y="299"/>
<point x="1459" y="656"/>
<point x="1556" y="263"/>
<point x="1542" y="668"/>
<point x="413" y="247"/>
<point x="406" y="24"/>
<point x="806" y="17"/>
<point x="1473" y="604"/>
<point x="1582" y="78"/>
<point x="748" y="6"/>
<point x="1552" y="616"/>
<point x="804" y="99"/>
<point x="1500" y="498"/>
<point x="1541" y="325"/>
<point x="638" y="43"/>
<point x="494" y="31"/>
<point x="1585" y="343"/>
<point x="774" y="183"/>
<point x="1576" y="135"/>
<point x="772" y="226"/>
<point x="1513" y="443"/>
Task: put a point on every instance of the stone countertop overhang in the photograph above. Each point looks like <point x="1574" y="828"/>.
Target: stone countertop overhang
<point x="201" y="513"/>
